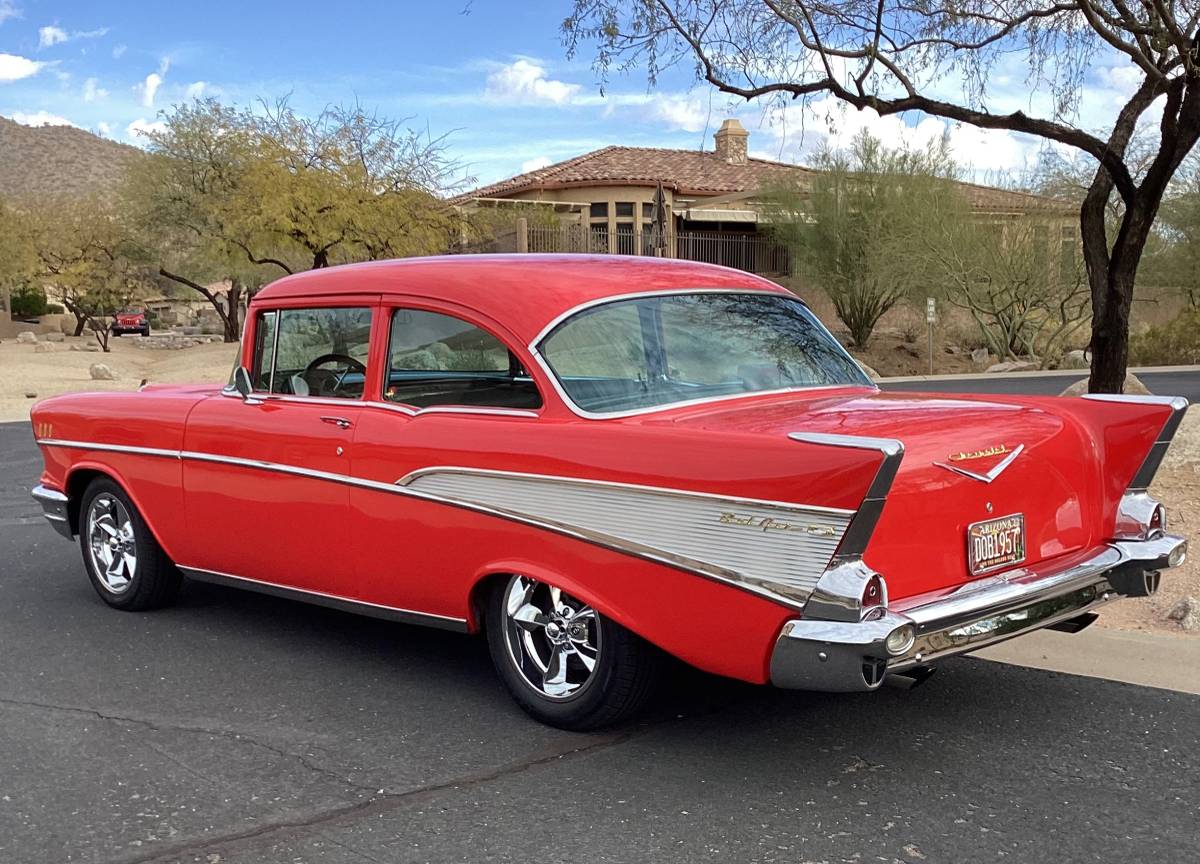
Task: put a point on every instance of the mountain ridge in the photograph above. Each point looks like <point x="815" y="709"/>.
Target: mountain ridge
<point x="59" y="161"/>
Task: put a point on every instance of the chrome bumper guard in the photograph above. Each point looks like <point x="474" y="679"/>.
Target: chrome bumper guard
<point x="846" y="656"/>
<point x="54" y="507"/>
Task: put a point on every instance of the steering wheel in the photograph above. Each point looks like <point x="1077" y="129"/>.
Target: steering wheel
<point x="326" y="382"/>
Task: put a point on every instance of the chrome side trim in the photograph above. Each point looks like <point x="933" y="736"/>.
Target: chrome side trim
<point x="109" y="448"/>
<point x="407" y="480"/>
<point x="854" y="543"/>
<point x="54" y="508"/>
<point x="792" y="595"/>
<point x="1149" y="467"/>
<point x="779" y="548"/>
<point x="837" y="595"/>
<point x="532" y="347"/>
<point x="332" y="601"/>
<point x="988" y="476"/>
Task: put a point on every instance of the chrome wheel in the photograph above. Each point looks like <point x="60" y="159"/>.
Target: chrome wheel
<point x="111" y="543"/>
<point x="552" y="638"/>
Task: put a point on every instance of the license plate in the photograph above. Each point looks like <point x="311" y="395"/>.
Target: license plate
<point x="995" y="543"/>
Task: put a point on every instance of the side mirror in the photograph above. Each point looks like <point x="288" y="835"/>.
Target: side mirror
<point x="242" y="383"/>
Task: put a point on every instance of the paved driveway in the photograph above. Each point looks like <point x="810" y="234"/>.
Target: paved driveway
<point x="241" y="728"/>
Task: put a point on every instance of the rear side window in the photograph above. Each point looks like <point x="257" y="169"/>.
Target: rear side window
<point x="436" y="359"/>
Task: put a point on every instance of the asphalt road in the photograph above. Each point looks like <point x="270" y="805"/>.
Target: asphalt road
<point x="240" y="728"/>
<point x="1173" y="383"/>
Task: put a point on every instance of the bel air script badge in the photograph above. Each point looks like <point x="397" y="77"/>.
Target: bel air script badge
<point x="769" y="523"/>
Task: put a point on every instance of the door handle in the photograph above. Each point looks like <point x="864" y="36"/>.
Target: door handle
<point x="340" y="422"/>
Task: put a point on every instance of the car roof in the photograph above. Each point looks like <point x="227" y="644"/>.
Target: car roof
<point x="523" y="292"/>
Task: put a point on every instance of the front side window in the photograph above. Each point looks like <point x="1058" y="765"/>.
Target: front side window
<point x="317" y="352"/>
<point x="436" y="359"/>
<point x="654" y="351"/>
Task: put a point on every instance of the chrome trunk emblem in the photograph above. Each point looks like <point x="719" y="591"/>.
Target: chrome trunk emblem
<point x="988" y="476"/>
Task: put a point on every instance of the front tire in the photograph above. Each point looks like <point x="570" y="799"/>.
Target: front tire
<point x="125" y="564"/>
<point x="563" y="662"/>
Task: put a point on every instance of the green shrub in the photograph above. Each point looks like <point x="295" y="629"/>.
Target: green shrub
<point x="54" y="309"/>
<point x="28" y="301"/>
<point x="1173" y="344"/>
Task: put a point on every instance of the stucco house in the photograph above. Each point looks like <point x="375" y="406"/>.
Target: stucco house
<point x="709" y="202"/>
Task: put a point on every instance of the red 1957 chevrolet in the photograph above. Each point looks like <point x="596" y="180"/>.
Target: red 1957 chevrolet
<point x="596" y="460"/>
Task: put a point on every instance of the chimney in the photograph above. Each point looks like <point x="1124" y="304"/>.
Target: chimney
<point x="731" y="142"/>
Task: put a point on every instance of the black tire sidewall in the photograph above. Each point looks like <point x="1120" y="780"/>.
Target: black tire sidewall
<point x="149" y="555"/>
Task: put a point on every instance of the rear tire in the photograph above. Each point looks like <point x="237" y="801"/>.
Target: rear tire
<point x="564" y="663"/>
<point x="125" y="564"/>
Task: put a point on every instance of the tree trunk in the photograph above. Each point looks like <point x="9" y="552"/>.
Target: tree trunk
<point x="232" y="316"/>
<point x="1110" y="335"/>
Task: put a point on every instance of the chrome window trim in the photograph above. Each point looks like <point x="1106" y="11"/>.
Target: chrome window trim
<point x="1158" y="450"/>
<point x="397" y="407"/>
<point x="332" y="601"/>
<point x="548" y="371"/>
<point x="401" y="487"/>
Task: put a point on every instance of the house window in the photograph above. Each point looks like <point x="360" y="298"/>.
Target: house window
<point x="1067" y="266"/>
<point x="624" y="209"/>
<point x="647" y="211"/>
<point x="599" y="210"/>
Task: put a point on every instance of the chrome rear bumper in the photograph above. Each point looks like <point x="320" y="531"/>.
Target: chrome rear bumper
<point x="852" y="656"/>
<point x="54" y="507"/>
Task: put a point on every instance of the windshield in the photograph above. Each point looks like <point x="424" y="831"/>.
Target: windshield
<point x="652" y="351"/>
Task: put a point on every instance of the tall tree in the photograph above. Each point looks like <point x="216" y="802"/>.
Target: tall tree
<point x="245" y="195"/>
<point x="856" y="225"/>
<point x="893" y="57"/>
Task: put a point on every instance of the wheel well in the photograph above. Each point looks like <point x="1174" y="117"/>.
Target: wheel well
<point x="76" y="484"/>
<point x="480" y="593"/>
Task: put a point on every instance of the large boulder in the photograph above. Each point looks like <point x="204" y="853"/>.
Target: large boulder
<point x="54" y="336"/>
<point x="1132" y="387"/>
<point x="1187" y="613"/>
<point x="43" y="348"/>
<point x="980" y="356"/>
<point x="1076" y="359"/>
<point x="27" y="337"/>
<point x="871" y="373"/>
<point x="101" y="372"/>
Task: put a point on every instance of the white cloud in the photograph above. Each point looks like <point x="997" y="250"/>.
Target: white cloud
<point x="535" y="163"/>
<point x="680" y="111"/>
<point x="40" y="118"/>
<point x="141" y="127"/>
<point x="51" y="35"/>
<point x="149" y="88"/>
<point x="14" y="67"/>
<point x="92" y="91"/>
<point x="524" y="81"/>
<point x="8" y="10"/>
<point x="104" y="129"/>
<point x="196" y="89"/>
<point x="119" y="51"/>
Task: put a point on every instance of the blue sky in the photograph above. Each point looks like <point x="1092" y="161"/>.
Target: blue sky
<point x="491" y="75"/>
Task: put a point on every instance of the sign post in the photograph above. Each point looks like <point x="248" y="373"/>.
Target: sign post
<point x="930" y="318"/>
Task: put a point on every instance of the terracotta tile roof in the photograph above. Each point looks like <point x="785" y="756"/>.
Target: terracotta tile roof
<point x="703" y="172"/>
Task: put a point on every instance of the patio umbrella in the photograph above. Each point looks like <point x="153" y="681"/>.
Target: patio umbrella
<point x="658" y="221"/>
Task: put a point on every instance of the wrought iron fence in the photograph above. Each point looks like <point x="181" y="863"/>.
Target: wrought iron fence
<point x="748" y="251"/>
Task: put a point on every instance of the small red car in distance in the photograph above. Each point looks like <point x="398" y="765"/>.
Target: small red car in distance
<point x="130" y="321"/>
<point x="596" y="461"/>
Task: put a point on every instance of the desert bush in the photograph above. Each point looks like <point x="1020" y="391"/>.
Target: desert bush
<point x="29" y="301"/>
<point x="1171" y="344"/>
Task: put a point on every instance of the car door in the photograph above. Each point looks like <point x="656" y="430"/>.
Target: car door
<point x="452" y="393"/>
<point x="262" y="476"/>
